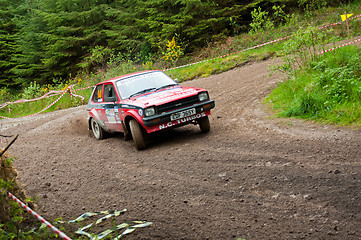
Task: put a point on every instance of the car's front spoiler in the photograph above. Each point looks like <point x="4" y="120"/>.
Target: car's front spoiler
<point x="162" y="121"/>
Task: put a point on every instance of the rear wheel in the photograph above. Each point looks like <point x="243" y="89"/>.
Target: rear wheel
<point x="98" y="131"/>
<point x="204" y="124"/>
<point x="137" y="134"/>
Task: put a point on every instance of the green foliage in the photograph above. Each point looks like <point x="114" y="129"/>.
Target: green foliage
<point x="267" y="22"/>
<point x="32" y="91"/>
<point x="329" y="89"/>
<point x="57" y="36"/>
<point x="309" y="6"/>
<point x="302" y="48"/>
<point x="99" y="56"/>
<point x="280" y="17"/>
<point x="173" y="52"/>
<point x="8" y="46"/>
<point x="46" y="39"/>
<point x="260" y="22"/>
<point x="37" y="90"/>
<point x="341" y="79"/>
<point x="6" y="95"/>
<point x="11" y="211"/>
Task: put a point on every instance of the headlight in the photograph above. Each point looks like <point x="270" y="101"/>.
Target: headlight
<point x="203" y="96"/>
<point x="149" y="111"/>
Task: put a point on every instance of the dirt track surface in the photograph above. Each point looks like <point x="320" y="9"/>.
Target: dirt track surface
<point x="251" y="176"/>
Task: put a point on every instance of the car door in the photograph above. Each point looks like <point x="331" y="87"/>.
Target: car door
<point x="98" y="106"/>
<point x="105" y="109"/>
<point x="110" y="104"/>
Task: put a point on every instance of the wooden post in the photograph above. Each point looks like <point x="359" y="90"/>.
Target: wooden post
<point x="348" y="27"/>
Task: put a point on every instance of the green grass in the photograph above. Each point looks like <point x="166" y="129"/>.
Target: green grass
<point x="28" y="108"/>
<point x="327" y="90"/>
<point x="219" y="65"/>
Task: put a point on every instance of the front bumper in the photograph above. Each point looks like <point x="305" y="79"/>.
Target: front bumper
<point x="165" y="117"/>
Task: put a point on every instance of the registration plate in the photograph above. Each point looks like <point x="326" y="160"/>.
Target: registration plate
<point x="183" y="114"/>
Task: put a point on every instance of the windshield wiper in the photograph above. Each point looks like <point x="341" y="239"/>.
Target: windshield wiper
<point x="142" y="91"/>
<point x="165" y="86"/>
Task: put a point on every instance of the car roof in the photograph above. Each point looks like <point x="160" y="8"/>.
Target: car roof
<point x="112" y="80"/>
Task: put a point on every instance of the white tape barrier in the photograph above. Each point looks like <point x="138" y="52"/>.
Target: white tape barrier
<point x="343" y="45"/>
<point x="40" y="218"/>
<point x="70" y="89"/>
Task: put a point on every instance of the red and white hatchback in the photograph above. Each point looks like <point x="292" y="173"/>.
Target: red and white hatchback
<point x="145" y="102"/>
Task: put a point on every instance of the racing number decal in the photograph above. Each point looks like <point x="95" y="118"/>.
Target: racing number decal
<point x="99" y="93"/>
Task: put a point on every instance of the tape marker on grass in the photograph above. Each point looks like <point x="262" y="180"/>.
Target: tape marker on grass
<point x="40" y="218"/>
<point x="49" y="94"/>
<point x="41" y="110"/>
<point x="343" y="45"/>
<point x="129" y="226"/>
<point x="90" y="214"/>
<point x="69" y="89"/>
<point x="52" y="93"/>
<point x="83" y="88"/>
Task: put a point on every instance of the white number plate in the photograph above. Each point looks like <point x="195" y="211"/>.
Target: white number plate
<point x="183" y="114"/>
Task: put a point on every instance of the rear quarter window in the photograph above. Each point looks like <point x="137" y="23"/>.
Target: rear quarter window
<point x="98" y="94"/>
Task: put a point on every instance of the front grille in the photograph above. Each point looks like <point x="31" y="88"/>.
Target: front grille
<point x="177" y="104"/>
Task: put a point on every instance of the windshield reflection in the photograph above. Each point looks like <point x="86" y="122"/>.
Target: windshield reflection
<point x="142" y="83"/>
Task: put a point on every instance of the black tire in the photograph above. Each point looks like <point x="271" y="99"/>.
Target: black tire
<point x="204" y="124"/>
<point x="98" y="131"/>
<point x="137" y="134"/>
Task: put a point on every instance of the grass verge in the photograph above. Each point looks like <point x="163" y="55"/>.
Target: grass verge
<point x="328" y="89"/>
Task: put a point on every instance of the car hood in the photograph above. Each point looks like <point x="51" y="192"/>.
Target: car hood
<point x="163" y="96"/>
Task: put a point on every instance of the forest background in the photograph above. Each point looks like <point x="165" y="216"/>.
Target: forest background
<point x="48" y="41"/>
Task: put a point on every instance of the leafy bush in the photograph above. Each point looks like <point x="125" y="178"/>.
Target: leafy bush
<point x="260" y="22"/>
<point x="6" y="95"/>
<point x="98" y="58"/>
<point x="310" y="5"/>
<point x="340" y="78"/>
<point x="328" y="88"/>
<point x="32" y="91"/>
<point x="302" y="48"/>
<point x="172" y="52"/>
<point x="11" y="215"/>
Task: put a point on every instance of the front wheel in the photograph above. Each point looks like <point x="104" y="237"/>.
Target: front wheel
<point x="204" y="124"/>
<point x="137" y="134"/>
<point x="98" y="131"/>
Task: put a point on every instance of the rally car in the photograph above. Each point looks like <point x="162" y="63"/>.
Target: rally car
<point x="145" y="102"/>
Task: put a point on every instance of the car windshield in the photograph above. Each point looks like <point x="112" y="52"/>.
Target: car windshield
<point x="142" y="83"/>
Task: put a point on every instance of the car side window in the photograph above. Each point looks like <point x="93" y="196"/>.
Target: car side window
<point x="109" y="93"/>
<point x="98" y="94"/>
